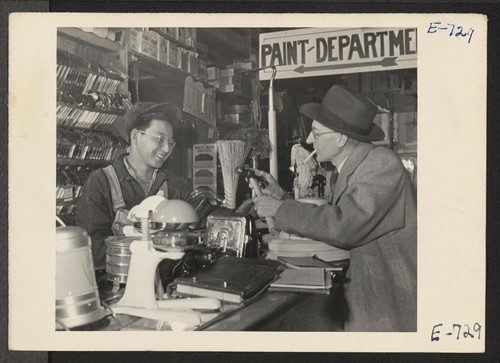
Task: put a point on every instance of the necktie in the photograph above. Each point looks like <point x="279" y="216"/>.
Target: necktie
<point x="333" y="181"/>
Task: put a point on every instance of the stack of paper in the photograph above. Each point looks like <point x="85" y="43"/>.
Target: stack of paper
<point x="314" y="262"/>
<point x="303" y="280"/>
<point x="304" y="247"/>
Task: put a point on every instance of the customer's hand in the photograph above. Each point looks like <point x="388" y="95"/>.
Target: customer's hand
<point x="266" y="206"/>
<point x="273" y="188"/>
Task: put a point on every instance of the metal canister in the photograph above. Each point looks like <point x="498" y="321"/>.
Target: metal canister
<point x="77" y="296"/>
<point x="118" y="258"/>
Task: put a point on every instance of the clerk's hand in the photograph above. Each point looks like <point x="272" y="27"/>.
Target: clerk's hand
<point x="273" y="189"/>
<point x="266" y="206"/>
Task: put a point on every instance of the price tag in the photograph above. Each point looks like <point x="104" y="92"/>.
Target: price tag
<point x="68" y="193"/>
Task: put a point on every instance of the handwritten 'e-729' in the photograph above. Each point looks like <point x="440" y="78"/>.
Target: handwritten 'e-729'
<point x="452" y="29"/>
<point x="457" y="330"/>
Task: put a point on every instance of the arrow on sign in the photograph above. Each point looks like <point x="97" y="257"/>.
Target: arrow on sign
<point x="386" y="62"/>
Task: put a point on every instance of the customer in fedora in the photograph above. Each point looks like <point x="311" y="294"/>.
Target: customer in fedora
<point x="372" y="213"/>
<point x="109" y="193"/>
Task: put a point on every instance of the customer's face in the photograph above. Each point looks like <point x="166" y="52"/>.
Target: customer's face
<point x="152" y="145"/>
<point x="325" y="141"/>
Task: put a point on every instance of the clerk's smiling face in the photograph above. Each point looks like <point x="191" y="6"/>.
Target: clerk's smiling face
<point x="150" y="144"/>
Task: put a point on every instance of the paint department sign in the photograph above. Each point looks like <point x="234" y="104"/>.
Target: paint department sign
<point x="326" y="51"/>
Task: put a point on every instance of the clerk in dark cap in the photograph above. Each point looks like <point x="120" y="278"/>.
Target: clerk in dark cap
<point x="111" y="192"/>
<point x="372" y="213"/>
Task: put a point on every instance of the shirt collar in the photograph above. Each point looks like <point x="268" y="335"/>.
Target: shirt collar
<point x="132" y="172"/>
<point x="339" y="167"/>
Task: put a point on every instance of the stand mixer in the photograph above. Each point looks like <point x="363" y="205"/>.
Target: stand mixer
<point x="139" y="298"/>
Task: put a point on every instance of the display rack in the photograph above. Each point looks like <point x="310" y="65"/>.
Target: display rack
<point x="92" y="94"/>
<point x="100" y="71"/>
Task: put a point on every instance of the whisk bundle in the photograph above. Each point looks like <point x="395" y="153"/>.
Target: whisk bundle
<point x="232" y="153"/>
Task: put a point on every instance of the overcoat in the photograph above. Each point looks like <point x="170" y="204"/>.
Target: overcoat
<point x="373" y="215"/>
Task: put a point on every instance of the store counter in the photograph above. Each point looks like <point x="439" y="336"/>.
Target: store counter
<point x="269" y="311"/>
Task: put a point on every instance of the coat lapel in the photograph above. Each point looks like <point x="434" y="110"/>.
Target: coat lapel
<point x="352" y="162"/>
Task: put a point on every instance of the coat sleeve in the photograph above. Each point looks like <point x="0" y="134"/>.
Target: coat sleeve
<point x="95" y="214"/>
<point x="360" y="213"/>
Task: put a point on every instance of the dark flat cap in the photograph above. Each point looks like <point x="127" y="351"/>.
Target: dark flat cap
<point x="125" y="124"/>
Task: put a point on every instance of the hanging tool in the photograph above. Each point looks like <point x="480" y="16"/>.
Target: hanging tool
<point x="252" y="178"/>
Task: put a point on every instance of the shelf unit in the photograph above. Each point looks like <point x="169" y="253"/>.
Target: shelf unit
<point x="92" y="94"/>
<point x="79" y="162"/>
<point x="155" y="70"/>
<point x="85" y="114"/>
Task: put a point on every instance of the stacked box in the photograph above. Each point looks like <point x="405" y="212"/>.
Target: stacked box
<point x="163" y="48"/>
<point x="193" y="63"/>
<point x="173" y="57"/>
<point x="237" y="118"/>
<point x="199" y="101"/>
<point x="183" y="59"/>
<point x="134" y="39"/>
<point x="227" y="72"/>
<point x="213" y="73"/>
<point x="243" y="66"/>
<point x="237" y="114"/>
<point x="205" y="166"/>
<point x="169" y="53"/>
<point x="202" y="70"/>
<point x="231" y="88"/>
<point x="186" y="36"/>
<point x="226" y="80"/>
<point x="149" y="44"/>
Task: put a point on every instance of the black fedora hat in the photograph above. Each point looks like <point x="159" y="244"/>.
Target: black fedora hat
<point x="347" y="112"/>
<point x="124" y="125"/>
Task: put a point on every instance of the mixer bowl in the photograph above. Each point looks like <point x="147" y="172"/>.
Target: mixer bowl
<point x="175" y="240"/>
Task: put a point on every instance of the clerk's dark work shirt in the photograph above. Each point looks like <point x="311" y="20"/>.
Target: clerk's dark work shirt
<point x="95" y="207"/>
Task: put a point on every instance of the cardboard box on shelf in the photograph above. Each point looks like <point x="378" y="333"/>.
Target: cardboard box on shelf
<point x="163" y="48"/>
<point x="240" y="66"/>
<point x="193" y="63"/>
<point x="213" y="73"/>
<point x="237" y="118"/>
<point x="187" y="36"/>
<point x="227" y="72"/>
<point x="199" y="100"/>
<point x="236" y="80"/>
<point x="134" y="39"/>
<point x="149" y="44"/>
<point x="173" y="58"/>
<point x="183" y="59"/>
<point x="202" y="70"/>
<point x="226" y="81"/>
<point x="230" y="88"/>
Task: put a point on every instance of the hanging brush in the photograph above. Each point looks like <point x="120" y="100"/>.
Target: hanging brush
<point x="232" y="153"/>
